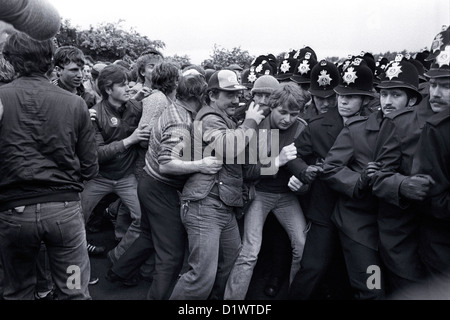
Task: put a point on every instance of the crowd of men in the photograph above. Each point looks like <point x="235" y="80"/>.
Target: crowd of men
<point x="352" y="160"/>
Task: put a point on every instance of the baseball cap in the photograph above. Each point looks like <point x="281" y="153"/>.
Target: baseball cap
<point x="225" y="80"/>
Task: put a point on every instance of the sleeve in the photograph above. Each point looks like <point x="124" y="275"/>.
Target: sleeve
<point x="86" y="147"/>
<point x="175" y="143"/>
<point x="304" y="151"/>
<point x="388" y="150"/>
<point x="152" y="108"/>
<point x="433" y="158"/>
<point x="336" y="173"/>
<point x="108" y="151"/>
<point x="224" y="143"/>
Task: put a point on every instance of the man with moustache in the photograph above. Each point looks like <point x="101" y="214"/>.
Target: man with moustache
<point x="399" y="190"/>
<point x="212" y="199"/>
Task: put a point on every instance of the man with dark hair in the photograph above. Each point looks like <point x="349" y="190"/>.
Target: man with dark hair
<point x="117" y="135"/>
<point x="213" y="198"/>
<point x="402" y="191"/>
<point x="168" y="166"/>
<point x="47" y="151"/>
<point x="69" y="64"/>
<point x="144" y="67"/>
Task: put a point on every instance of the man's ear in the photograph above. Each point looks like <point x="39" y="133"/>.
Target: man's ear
<point x="108" y="90"/>
<point x="412" y="101"/>
<point x="58" y="70"/>
<point x="212" y="95"/>
<point x="367" y="100"/>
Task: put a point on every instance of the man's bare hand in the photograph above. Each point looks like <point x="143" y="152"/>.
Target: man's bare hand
<point x="210" y="165"/>
<point x="287" y="154"/>
<point x="142" y="133"/>
<point x="253" y="112"/>
<point x="142" y="94"/>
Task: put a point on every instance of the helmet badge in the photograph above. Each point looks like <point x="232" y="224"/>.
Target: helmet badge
<point x="350" y="76"/>
<point x="303" y="68"/>
<point x="285" y="66"/>
<point x="251" y="77"/>
<point x="324" y="79"/>
<point x="437" y="43"/>
<point x="394" y="70"/>
<point x="444" y="57"/>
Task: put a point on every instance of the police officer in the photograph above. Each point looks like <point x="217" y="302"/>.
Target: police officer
<point x="397" y="188"/>
<point x="348" y="169"/>
<point x="322" y="247"/>
<point x="324" y="78"/>
<point x="432" y="158"/>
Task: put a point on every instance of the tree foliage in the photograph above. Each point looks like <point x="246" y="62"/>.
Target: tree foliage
<point x="112" y="41"/>
<point x="107" y="41"/>
<point x="179" y="60"/>
<point x="222" y="58"/>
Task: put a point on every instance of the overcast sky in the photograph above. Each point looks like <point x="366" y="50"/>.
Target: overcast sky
<point x="330" y="27"/>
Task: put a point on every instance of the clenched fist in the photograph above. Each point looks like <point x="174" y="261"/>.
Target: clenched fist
<point x="287" y="154"/>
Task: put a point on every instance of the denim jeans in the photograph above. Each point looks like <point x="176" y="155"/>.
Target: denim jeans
<point x="287" y="210"/>
<point x="44" y="272"/>
<point x="126" y="189"/>
<point x="61" y="227"/>
<point x="212" y="231"/>
<point x="160" y="204"/>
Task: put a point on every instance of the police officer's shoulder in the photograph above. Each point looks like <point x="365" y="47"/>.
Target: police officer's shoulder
<point x="399" y="113"/>
<point x="439" y="118"/>
<point x="302" y="121"/>
<point x="355" y="119"/>
<point x="316" y="118"/>
<point x="302" y="124"/>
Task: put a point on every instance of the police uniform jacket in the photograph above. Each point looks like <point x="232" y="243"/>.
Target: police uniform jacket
<point x="433" y="158"/>
<point x="398" y="220"/>
<point x="313" y="144"/>
<point x="395" y="147"/>
<point x="356" y="210"/>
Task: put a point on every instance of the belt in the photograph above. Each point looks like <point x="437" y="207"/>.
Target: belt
<point x="214" y="196"/>
<point x="214" y="192"/>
